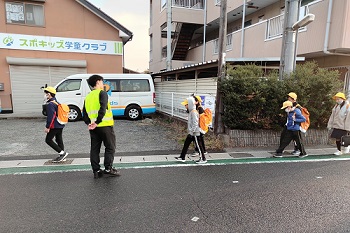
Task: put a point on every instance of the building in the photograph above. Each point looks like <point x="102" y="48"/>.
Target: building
<point x="44" y="41"/>
<point x="254" y="34"/>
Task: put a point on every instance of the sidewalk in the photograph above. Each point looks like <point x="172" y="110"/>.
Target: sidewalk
<point x="238" y="154"/>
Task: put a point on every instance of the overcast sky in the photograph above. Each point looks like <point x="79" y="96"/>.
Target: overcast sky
<point x="133" y="15"/>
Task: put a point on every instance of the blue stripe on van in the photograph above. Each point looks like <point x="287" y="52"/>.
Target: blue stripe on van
<point x="120" y="111"/>
<point x="149" y="110"/>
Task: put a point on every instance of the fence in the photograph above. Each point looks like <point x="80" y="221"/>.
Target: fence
<point x="264" y="138"/>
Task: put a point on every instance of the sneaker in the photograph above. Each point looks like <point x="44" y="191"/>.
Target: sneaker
<point x="201" y="161"/>
<point x="296" y="152"/>
<point x="180" y="159"/>
<point x="112" y="172"/>
<point x="303" y="156"/>
<point x="346" y="150"/>
<point x="205" y="153"/>
<point x="62" y="158"/>
<point x="98" y="174"/>
<point x="58" y="159"/>
<point x="194" y="154"/>
<point x="278" y="155"/>
<point x="338" y="153"/>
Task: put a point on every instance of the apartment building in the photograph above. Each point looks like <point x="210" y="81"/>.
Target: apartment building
<point x="254" y="31"/>
<point x="44" y="41"/>
<point x="254" y="34"/>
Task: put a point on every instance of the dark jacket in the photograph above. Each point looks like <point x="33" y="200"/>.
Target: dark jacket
<point x="101" y="112"/>
<point x="51" y="119"/>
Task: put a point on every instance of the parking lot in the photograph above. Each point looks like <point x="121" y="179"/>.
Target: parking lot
<point x="26" y="137"/>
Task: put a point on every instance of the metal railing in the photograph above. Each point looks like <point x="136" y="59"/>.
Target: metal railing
<point x="196" y="4"/>
<point x="170" y="103"/>
<point x="275" y="26"/>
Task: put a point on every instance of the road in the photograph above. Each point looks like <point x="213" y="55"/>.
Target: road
<point x="274" y="197"/>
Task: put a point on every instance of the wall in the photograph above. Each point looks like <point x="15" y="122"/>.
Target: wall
<point x="265" y="138"/>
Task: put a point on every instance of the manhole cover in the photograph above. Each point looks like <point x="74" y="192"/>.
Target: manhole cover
<point x="49" y="162"/>
<point x="240" y="155"/>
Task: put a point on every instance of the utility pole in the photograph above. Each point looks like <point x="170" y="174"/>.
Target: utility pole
<point x="288" y="40"/>
<point x="168" y="36"/>
<point x="219" y="127"/>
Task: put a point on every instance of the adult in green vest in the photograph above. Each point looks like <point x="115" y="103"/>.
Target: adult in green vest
<point x="97" y="114"/>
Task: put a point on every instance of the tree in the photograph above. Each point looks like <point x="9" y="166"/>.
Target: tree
<point x="252" y="99"/>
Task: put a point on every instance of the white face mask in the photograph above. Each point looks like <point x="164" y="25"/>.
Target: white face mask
<point x="339" y="101"/>
<point x="287" y="110"/>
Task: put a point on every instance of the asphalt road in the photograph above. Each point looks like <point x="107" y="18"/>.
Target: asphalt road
<point x="279" y="197"/>
<point x="26" y="138"/>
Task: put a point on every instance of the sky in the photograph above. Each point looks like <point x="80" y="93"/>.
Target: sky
<point x="134" y="16"/>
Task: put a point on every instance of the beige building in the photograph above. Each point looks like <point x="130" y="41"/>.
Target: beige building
<point x="254" y="33"/>
<point x="43" y="41"/>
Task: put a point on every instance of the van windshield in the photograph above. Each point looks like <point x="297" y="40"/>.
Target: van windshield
<point x="69" y="85"/>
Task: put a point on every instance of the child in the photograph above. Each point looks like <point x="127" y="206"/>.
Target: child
<point x="198" y="101"/>
<point x="193" y="132"/>
<point x="54" y="129"/>
<point x="294" y="118"/>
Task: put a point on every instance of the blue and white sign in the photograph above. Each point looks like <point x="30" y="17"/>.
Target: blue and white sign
<point x="59" y="44"/>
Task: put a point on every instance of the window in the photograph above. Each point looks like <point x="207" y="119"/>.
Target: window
<point x="134" y="85"/>
<point x="24" y="13"/>
<point x="69" y="85"/>
<point x="216" y="46"/>
<point x="229" y="42"/>
<point x="110" y="85"/>
<point x="163" y="3"/>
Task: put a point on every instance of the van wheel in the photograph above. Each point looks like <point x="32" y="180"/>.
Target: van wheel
<point x="133" y="112"/>
<point x="74" y="114"/>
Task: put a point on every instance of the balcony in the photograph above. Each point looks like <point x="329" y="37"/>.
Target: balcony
<point x="193" y="4"/>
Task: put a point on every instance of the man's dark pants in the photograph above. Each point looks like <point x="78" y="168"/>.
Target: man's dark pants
<point x="107" y="136"/>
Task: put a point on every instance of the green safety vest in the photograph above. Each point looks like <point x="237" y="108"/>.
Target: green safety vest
<point x="92" y="105"/>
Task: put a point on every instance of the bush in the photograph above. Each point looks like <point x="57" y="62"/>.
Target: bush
<point x="253" y="101"/>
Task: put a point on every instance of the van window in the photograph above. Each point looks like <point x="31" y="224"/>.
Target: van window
<point x="110" y="85"/>
<point x="134" y="85"/>
<point x="69" y="85"/>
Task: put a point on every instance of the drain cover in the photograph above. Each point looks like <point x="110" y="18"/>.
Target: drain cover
<point x="68" y="161"/>
<point x="240" y="155"/>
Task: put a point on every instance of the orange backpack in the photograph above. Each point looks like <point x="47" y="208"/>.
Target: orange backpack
<point x="205" y="119"/>
<point x="62" y="113"/>
<point x="306" y="124"/>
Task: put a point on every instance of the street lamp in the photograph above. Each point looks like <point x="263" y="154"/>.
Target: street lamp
<point x="303" y="22"/>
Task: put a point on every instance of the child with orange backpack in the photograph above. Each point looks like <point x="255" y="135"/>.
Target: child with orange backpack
<point x="193" y="132"/>
<point x="202" y="124"/>
<point x="53" y="128"/>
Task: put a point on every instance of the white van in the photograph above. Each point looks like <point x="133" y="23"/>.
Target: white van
<point x="130" y="95"/>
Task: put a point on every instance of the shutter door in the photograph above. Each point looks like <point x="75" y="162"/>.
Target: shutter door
<point x="27" y="97"/>
<point x="59" y="73"/>
<point x="26" y="81"/>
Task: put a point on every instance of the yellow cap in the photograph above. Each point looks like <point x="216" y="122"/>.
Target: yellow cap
<point x="340" y="95"/>
<point x="287" y="104"/>
<point x="293" y="95"/>
<point x="50" y="89"/>
<point x="185" y="102"/>
<point x="198" y="98"/>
